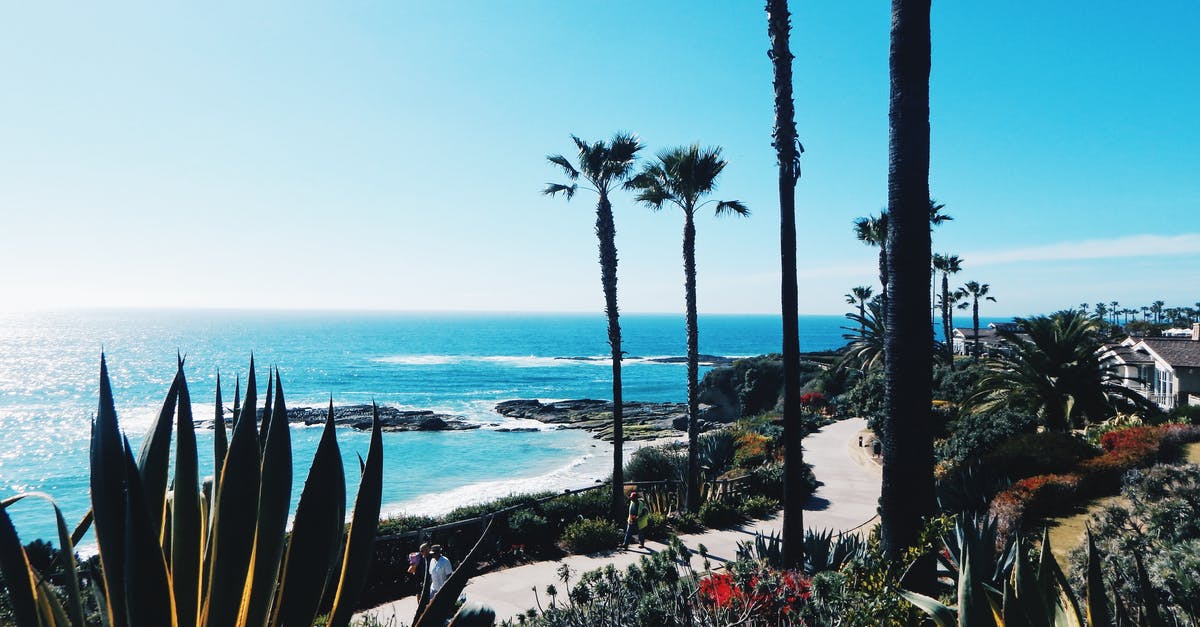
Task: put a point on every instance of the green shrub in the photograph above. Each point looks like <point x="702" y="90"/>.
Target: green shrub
<point x="718" y="513"/>
<point x="1032" y="454"/>
<point x="591" y="535"/>
<point x="563" y="511"/>
<point x="1188" y="414"/>
<point x="757" y="506"/>
<point x="767" y="480"/>
<point x="658" y="527"/>
<point x="976" y="434"/>
<point x="687" y="522"/>
<point x="528" y="528"/>
<point x="716" y="452"/>
<point x="395" y="525"/>
<point x="656" y="463"/>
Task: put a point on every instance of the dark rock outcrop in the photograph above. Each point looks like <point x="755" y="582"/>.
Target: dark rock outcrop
<point x="359" y="417"/>
<point x="642" y="421"/>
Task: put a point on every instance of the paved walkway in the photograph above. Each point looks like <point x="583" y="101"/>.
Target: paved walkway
<point x="847" y="499"/>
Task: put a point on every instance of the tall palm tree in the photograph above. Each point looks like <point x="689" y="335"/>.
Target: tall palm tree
<point x="872" y="231"/>
<point x="907" y="490"/>
<point x="1114" y="308"/>
<point x="605" y="166"/>
<point x="787" y="154"/>
<point x="1156" y="308"/>
<point x="947" y="265"/>
<point x="1054" y="371"/>
<point x="683" y="176"/>
<point x="864" y="350"/>
<point x="975" y="291"/>
<point x="858" y="297"/>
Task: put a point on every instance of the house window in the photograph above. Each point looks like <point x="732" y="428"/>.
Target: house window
<point x="1164" y="382"/>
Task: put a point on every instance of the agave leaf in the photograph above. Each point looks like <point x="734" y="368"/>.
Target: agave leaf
<point x="234" y="518"/>
<point x="1149" y="598"/>
<point x="108" y="498"/>
<point x="441" y="606"/>
<point x="275" y="496"/>
<point x="974" y="608"/>
<point x="66" y="558"/>
<point x="18" y="574"/>
<point x="220" y="439"/>
<point x="84" y="524"/>
<point x="267" y="408"/>
<point x="316" y="534"/>
<point x="1032" y="608"/>
<point x="361" y="541"/>
<point x="1063" y="605"/>
<point x="942" y="615"/>
<point x="186" y="518"/>
<point x="51" y="607"/>
<point x="148" y="596"/>
<point x="1098" y="614"/>
<point x="154" y="458"/>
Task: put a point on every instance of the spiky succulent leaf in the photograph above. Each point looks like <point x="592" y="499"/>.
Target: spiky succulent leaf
<point x="187" y="520"/>
<point x="18" y="574"/>
<point x="1098" y="614"/>
<point x="234" y="518"/>
<point x="316" y="534"/>
<point x="107" y="453"/>
<point x="275" y="497"/>
<point x="361" y="540"/>
<point x="437" y="612"/>
<point x="154" y="459"/>
<point x="942" y="615"/>
<point x="149" y="599"/>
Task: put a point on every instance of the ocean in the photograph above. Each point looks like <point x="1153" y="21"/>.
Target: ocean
<point x="456" y="363"/>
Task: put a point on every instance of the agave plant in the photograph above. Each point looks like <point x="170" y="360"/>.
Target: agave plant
<point x="174" y="554"/>
<point x="1034" y="594"/>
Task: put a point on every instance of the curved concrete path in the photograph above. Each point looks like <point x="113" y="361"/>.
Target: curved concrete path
<point x="847" y="500"/>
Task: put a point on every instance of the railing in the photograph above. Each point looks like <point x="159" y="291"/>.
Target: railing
<point x="1165" y="401"/>
<point x="1193" y="399"/>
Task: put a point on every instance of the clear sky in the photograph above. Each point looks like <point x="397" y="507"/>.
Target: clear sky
<point x="390" y="155"/>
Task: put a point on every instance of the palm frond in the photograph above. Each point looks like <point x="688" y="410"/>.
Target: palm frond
<point x="726" y="207"/>
<point x="565" y="164"/>
<point x="555" y="188"/>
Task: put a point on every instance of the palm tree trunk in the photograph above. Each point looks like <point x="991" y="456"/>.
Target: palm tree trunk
<point x="975" y="324"/>
<point x="606" y="231"/>
<point x="862" y="319"/>
<point x="692" y="495"/>
<point x="946" y="319"/>
<point x="907" y="490"/>
<point x="883" y="273"/>
<point x="778" y="28"/>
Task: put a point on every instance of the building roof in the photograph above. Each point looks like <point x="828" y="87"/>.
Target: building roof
<point x="1178" y="352"/>
<point x="1128" y="355"/>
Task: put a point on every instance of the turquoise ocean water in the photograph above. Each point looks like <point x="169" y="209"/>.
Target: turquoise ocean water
<point x="457" y="363"/>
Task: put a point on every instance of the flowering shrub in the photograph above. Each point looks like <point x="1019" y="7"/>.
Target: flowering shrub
<point x="813" y="399"/>
<point x="753" y="450"/>
<point x="767" y="595"/>
<point x="1124" y="450"/>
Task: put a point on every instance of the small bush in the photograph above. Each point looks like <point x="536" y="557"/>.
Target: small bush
<point x="528" y="528"/>
<point x="975" y="434"/>
<point x="716" y="452"/>
<point x="753" y="450"/>
<point x="1032" y="454"/>
<point x="687" y="522"/>
<point x="719" y="513"/>
<point x="658" y="528"/>
<point x="591" y="535"/>
<point x="656" y="463"/>
<point x="1187" y="414"/>
<point x="758" y="507"/>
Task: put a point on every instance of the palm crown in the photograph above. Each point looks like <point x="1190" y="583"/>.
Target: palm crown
<point x="601" y="164"/>
<point x="682" y="176"/>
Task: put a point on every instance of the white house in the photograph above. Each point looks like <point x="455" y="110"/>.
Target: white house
<point x="1166" y="370"/>
<point x="963" y="338"/>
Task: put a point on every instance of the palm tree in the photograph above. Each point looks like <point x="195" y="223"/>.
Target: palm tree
<point x="859" y="296"/>
<point x="907" y="490"/>
<point x="872" y="231"/>
<point x="1114" y="309"/>
<point x="865" y="348"/>
<point x="1056" y="373"/>
<point x="975" y="291"/>
<point x="787" y="153"/>
<point x="683" y="176"/>
<point x="604" y="166"/>
<point x="947" y="265"/>
<point x="1156" y="308"/>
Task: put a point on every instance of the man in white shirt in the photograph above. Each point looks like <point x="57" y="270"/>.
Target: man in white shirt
<point x="439" y="569"/>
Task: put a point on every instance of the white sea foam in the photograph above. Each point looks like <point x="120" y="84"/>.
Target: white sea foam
<point x="420" y="360"/>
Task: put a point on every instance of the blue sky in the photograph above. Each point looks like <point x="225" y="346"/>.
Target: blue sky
<point x="390" y="155"/>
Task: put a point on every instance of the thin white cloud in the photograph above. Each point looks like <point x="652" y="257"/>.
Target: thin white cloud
<point x="1114" y="248"/>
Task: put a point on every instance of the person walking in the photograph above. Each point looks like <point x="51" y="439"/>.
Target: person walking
<point x="439" y="570"/>
<point x="639" y="517"/>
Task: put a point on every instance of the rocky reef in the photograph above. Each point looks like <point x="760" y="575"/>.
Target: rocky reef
<point x="642" y="421"/>
<point x="359" y="417"/>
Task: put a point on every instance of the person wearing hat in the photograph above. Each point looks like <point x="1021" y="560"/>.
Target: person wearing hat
<point x="439" y="569"/>
<point x="639" y="517"/>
